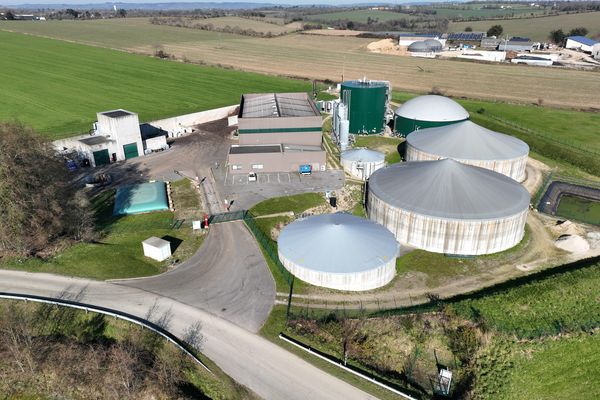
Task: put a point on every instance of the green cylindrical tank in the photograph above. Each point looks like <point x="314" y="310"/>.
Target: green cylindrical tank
<point x="428" y="111"/>
<point x="366" y="105"/>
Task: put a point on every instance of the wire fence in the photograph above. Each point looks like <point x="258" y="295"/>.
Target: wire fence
<point x="269" y="247"/>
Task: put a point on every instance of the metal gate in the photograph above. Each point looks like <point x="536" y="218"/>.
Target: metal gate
<point x="227" y="217"/>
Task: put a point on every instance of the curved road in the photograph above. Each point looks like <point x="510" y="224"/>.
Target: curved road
<point x="267" y="369"/>
<point x="227" y="277"/>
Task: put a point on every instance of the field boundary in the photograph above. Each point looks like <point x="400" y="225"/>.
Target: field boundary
<point x="113" y="313"/>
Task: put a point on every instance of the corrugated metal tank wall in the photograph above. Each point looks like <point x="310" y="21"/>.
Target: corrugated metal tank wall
<point x="449" y="236"/>
<point x="360" y="281"/>
<point x="513" y="168"/>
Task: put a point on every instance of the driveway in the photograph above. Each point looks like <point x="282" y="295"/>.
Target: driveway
<point x="227" y="277"/>
<point x="267" y="369"/>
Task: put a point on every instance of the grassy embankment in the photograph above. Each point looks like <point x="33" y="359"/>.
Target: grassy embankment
<point x="532" y="339"/>
<point x="59" y="352"/>
<point x="118" y="251"/>
<point x="58" y="87"/>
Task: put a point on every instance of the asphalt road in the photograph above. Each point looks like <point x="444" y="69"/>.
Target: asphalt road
<point x="267" y="369"/>
<point x="227" y="277"/>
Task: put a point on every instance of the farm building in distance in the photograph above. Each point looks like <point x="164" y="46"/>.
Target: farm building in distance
<point x="427" y="112"/>
<point x="278" y="132"/>
<point x="406" y="39"/>
<point x="582" y="43"/>
<point x="471" y="144"/>
<point x="516" y="44"/>
<point x="339" y="251"/>
<point x="444" y="206"/>
<point x="116" y="136"/>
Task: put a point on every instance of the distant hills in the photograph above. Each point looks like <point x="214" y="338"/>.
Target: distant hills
<point x="145" y="6"/>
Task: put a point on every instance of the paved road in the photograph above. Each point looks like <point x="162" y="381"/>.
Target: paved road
<point x="269" y="370"/>
<point x="227" y="277"/>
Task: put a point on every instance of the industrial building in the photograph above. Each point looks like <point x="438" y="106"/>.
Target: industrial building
<point x="516" y="44"/>
<point x="361" y="163"/>
<point x="339" y="251"/>
<point x="447" y="207"/>
<point x="116" y="136"/>
<point x="470" y="144"/>
<point x="427" y="112"/>
<point x="582" y="43"/>
<point x="278" y="132"/>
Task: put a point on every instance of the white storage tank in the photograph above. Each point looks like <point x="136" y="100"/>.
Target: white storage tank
<point x="339" y="251"/>
<point x="361" y="163"/>
<point x="447" y="207"/>
<point x="471" y="144"/>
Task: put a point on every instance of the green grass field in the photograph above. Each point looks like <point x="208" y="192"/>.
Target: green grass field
<point x="536" y="28"/>
<point x="297" y="204"/>
<point x="118" y="252"/>
<point x="563" y="303"/>
<point x="357" y="16"/>
<point x="477" y="11"/>
<point x="57" y="87"/>
<point x="261" y="26"/>
<point x="579" y="209"/>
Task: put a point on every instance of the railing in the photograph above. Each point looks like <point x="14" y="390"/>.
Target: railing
<point x="113" y="313"/>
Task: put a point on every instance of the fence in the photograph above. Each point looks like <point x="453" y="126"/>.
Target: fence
<point x="227" y="217"/>
<point x="269" y="247"/>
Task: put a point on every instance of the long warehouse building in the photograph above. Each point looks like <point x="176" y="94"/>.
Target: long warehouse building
<point x="447" y="207"/>
<point x="278" y="132"/>
<point x="471" y="144"/>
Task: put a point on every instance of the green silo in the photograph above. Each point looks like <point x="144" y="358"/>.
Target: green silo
<point x="428" y="111"/>
<point x="366" y="102"/>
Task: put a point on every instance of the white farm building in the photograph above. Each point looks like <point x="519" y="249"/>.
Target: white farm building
<point x="447" y="207"/>
<point x="471" y="144"/>
<point x="339" y="251"/>
<point x="361" y="163"/>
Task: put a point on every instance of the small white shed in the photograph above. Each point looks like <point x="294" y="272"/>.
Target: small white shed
<point x="157" y="248"/>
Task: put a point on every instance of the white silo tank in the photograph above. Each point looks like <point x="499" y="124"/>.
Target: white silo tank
<point x="361" y="163"/>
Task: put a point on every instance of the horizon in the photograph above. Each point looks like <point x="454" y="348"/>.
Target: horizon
<point x="14" y="3"/>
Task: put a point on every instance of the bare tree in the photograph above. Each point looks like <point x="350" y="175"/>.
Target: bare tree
<point x="193" y="335"/>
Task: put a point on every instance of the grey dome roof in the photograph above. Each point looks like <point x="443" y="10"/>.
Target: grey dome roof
<point x="432" y="108"/>
<point x="419" y="46"/>
<point x="337" y="244"/>
<point x="467" y="141"/>
<point x="363" y="155"/>
<point x="433" y="45"/>
<point x="448" y="189"/>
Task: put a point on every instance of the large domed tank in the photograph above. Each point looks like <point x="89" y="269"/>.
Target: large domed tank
<point x="428" y="111"/>
<point x="433" y="45"/>
<point x="366" y="102"/>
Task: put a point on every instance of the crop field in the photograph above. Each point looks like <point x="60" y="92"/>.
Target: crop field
<point x="244" y="23"/>
<point x="477" y="11"/>
<point x="326" y="57"/>
<point x="536" y="28"/>
<point x="57" y="87"/>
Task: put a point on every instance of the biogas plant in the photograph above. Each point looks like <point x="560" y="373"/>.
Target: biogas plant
<point x="456" y="191"/>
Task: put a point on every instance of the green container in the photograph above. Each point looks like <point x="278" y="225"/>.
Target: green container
<point x="404" y="126"/>
<point x="366" y="106"/>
